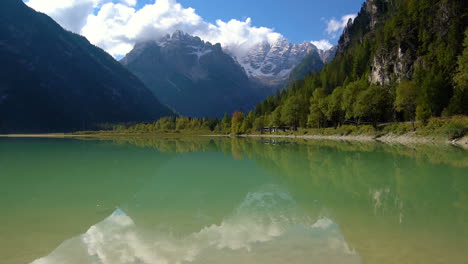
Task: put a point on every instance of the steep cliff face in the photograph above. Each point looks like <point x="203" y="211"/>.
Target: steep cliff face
<point x="370" y="16"/>
<point x="397" y="58"/>
<point x="394" y="56"/>
<point x="389" y="63"/>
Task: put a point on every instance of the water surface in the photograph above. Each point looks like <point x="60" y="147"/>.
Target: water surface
<point x="222" y="200"/>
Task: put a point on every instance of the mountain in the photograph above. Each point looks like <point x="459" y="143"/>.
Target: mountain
<point x="327" y="55"/>
<point x="272" y="64"/>
<point x="418" y="41"/>
<point x="310" y="63"/>
<point x="397" y="60"/>
<point x="194" y="77"/>
<point x="54" y="80"/>
<point x="313" y="62"/>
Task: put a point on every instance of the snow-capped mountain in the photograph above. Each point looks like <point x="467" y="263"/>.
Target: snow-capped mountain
<point x="194" y="77"/>
<point x="272" y="63"/>
<point x="197" y="78"/>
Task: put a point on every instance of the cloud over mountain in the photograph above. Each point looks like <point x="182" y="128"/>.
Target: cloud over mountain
<point x="116" y="25"/>
<point x="70" y="14"/>
<point x="322" y="44"/>
<point x="335" y="27"/>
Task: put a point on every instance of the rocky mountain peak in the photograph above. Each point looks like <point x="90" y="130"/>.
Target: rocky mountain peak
<point x="371" y="14"/>
<point x="272" y="63"/>
<point x="179" y="38"/>
<point x="194" y="77"/>
<point x="179" y="34"/>
<point x="327" y="55"/>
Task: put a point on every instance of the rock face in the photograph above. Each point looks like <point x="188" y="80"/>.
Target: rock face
<point x="392" y="62"/>
<point x="371" y="14"/>
<point x="314" y="61"/>
<point x="272" y="64"/>
<point x="388" y="62"/>
<point x="193" y="77"/>
<point x="54" y="80"/>
<point x="327" y="55"/>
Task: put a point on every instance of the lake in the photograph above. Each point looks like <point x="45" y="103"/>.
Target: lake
<point x="231" y="200"/>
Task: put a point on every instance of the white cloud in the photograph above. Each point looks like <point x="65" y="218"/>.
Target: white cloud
<point x="71" y="14"/>
<point x="130" y="2"/>
<point x="323" y="44"/>
<point x="264" y="222"/>
<point x="239" y="36"/>
<point x="335" y="27"/>
<point x="117" y="25"/>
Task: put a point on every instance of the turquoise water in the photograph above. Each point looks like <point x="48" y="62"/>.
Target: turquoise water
<point x="223" y="200"/>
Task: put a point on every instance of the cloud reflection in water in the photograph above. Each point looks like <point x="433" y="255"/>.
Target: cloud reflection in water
<point x="267" y="227"/>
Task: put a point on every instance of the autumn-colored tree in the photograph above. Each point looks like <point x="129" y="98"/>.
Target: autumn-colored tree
<point x="236" y="123"/>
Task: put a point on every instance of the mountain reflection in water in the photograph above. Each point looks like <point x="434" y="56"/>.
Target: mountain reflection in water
<point x="231" y="200"/>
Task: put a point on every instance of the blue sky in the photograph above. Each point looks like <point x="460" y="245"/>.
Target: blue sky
<point x="297" y="20"/>
<point x="116" y="25"/>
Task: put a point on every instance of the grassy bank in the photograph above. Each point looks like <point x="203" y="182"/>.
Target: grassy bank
<point x="442" y="128"/>
<point x="448" y="130"/>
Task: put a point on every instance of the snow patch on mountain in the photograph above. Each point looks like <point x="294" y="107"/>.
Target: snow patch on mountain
<point x="268" y="63"/>
<point x="200" y="51"/>
<point x="271" y="62"/>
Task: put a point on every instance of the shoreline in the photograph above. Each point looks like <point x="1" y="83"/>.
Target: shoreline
<point x="41" y="136"/>
<point x="404" y="139"/>
<point x="388" y="139"/>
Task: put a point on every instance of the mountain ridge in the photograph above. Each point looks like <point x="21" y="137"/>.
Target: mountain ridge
<point x="194" y="77"/>
<point x="55" y="80"/>
<point x="272" y="63"/>
<point x="396" y="61"/>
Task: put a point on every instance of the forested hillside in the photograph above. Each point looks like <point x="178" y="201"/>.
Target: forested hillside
<point x="53" y="80"/>
<point x="399" y="60"/>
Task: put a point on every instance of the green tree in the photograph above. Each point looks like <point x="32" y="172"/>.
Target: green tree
<point x="212" y="123"/>
<point x="195" y="124"/>
<point x="371" y="104"/>
<point x="182" y="123"/>
<point x="275" y="117"/>
<point x="247" y="124"/>
<point x="225" y="125"/>
<point x="316" y="116"/>
<point x="423" y="112"/>
<point x="349" y="98"/>
<point x="459" y="102"/>
<point x="166" y="123"/>
<point x="406" y="95"/>
<point x="293" y="109"/>
<point x="259" y="123"/>
<point x="334" y="110"/>
<point x="408" y="41"/>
